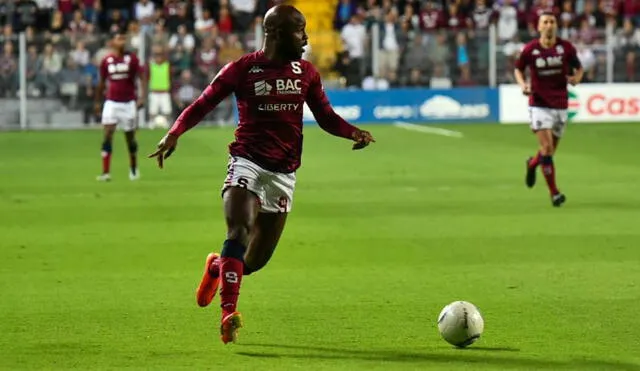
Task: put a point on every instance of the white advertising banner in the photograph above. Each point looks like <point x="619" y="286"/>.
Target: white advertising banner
<point x="587" y="103"/>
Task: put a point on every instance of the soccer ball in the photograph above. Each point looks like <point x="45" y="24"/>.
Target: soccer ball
<point x="160" y="122"/>
<point x="460" y="324"/>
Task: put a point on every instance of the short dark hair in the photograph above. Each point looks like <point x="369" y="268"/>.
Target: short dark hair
<point x="549" y="13"/>
<point x="118" y="32"/>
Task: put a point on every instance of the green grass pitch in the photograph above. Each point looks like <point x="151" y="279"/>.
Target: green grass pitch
<point x="102" y="276"/>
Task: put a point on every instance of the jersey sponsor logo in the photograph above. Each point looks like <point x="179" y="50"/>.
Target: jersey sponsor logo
<point x="256" y="69"/>
<point x="278" y="107"/>
<point x="288" y="86"/>
<point x="441" y="106"/>
<point x="262" y="88"/>
<point x="393" y="112"/>
<point x="118" y="71"/>
<point x="551" y="61"/>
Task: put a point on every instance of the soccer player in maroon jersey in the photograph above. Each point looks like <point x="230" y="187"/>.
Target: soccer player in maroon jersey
<point x="119" y="71"/>
<point x="552" y="63"/>
<point x="271" y="87"/>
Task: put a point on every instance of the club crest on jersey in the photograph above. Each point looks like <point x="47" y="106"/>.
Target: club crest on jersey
<point x="559" y="49"/>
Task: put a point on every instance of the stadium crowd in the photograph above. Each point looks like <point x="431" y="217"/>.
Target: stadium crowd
<point x="433" y="43"/>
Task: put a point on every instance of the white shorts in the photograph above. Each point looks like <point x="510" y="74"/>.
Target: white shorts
<point x="274" y="190"/>
<point x="122" y="114"/>
<point x="159" y="103"/>
<point x="548" y="118"/>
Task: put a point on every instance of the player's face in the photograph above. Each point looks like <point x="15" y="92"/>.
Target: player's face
<point x="294" y="39"/>
<point x="119" y="42"/>
<point x="547" y="26"/>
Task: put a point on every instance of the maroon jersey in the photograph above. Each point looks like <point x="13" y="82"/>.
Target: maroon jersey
<point x="549" y="68"/>
<point x="270" y="97"/>
<point x="431" y="19"/>
<point x="120" y="74"/>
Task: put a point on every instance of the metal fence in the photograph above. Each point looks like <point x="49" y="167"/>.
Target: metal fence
<point x="49" y="80"/>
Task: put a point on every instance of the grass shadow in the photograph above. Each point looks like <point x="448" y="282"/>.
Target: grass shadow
<point x="488" y="356"/>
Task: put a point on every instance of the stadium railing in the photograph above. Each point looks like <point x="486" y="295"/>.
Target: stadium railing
<point x="54" y="92"/>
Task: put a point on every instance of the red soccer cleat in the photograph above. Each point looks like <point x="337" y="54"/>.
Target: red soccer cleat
<point x="210" y="280"/>
<point x="230" y="326"/>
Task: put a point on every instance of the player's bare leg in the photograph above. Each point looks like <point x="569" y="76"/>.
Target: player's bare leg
<point x="548" y="143"/>
<point x="264" y="238"/>
<point x="132" y="146"/>
<point x="107" y="147"/>
<point x="241" y="210"/>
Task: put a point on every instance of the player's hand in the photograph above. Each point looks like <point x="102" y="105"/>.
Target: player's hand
<point x="166" y="146"/>
<point x="526" y="90"/>
<point x="140" y="103"/>
<point x="362" y="138"/>
<point x="572" y="80"/>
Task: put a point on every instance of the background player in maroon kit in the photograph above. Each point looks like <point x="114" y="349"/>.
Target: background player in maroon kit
<point x="119" y="71"/>
<point x="552" y="63"/>
<point x="271" y="87"/>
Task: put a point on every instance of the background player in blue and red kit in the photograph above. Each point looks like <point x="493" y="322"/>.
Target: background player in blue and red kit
<point x="119" y="71"/>
<point x="552" y="63"/>
<point x="271" y="87"/>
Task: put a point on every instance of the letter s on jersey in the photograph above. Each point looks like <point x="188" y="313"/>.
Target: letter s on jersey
<point x="296" y="68"/>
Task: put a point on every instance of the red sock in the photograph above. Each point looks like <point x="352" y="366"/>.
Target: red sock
<point x="549" y="172"/>
<point x="231" y="270"/>
<point x="106" y="157"/>
<point x="535" y="160"/>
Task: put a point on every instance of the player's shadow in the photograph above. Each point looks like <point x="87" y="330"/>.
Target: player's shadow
<point x="473" y="355"/>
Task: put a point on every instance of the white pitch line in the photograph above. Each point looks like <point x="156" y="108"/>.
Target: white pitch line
<point x="428" y="129"/>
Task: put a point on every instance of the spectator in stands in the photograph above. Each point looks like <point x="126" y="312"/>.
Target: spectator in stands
<point x="78" y="24"/>
<point x="462" y="53"/>
<point x="225" y="22"/>
<point x="117" y="21"/>
<point x="438" y="50"/>
<point x="33" y="68"/>
<point x="66" y="7"/>
<point x="354" y="36"/>
<point x="456" y="20"/>
<point x="86" y="93"/>
<point x="134" y="37"/>
<point x="567" y="21"/>
<point x="26" y="14"/>
<point x="180" y="59"/>
<point x="588" y="60"/>
<point x="416" y="56"/>
<point x="207" y="59"/>
<point x="416" y="78"/>
<point x="176" y="14"/>
<point x="243" y="13"/>
<point x="8" y="35"/>
<point x="45" y="9"/>
<point x="593" y="16"/>
<point x="507" y="21"/>
<point x="183" y="38"/>
<point x="69" y="78"/>
<point x="144" y="13"/>
<point x="373" y="14"/>
<point x="230" y="50"/>
<point x="431" y="17"/>
<point x="345" y="11"/>
<point x="349" y="71"/>
<point x="80" y="55"/>
<point x="628" y="42"/>
<point x="160" y="35"/>
<point x="51" y="62"/>
<point x="8" y="71"/>
<point x="122" y="7"/>
<point x="204" y="25"/>
<point x="586" y="33"/>
<point x="482" y="17"/>
<point x="389" y="46"/>
<point x="439" y="78"/>
<point x="410" y="17"/>
<point x="56" y="28"/>
<point x="90" y="9"/>
<point x="184" y="92"/>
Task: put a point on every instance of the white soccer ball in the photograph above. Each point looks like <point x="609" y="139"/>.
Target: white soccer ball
<point x="460" y="324"/>
<point x="160" y="122"/>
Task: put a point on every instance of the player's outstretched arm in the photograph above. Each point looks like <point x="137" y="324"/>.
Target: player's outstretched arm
<point x="329" y="120"/>
<point x="213" y="94"/>
<point x="576" y="67"/>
